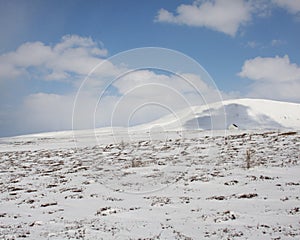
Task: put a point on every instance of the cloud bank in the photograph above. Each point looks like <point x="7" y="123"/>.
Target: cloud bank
<point x="52" y="75"/>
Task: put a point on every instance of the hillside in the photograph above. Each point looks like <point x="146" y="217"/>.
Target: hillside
<point x="247" y="114"/>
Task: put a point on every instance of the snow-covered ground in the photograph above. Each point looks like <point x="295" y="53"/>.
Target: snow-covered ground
<point x="171" y="184"/>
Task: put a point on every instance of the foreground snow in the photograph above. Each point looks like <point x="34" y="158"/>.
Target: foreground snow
<point x="188" y="186"/>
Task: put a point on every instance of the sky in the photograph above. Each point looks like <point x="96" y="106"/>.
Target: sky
<point x="247" y="49"/>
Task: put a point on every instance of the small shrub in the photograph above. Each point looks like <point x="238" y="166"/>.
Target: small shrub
<point x="248" y="158"/>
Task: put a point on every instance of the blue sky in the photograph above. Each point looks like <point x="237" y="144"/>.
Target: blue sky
<point x="250" y="48"/>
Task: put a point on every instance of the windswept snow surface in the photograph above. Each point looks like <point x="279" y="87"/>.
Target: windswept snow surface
<point x="190" y="184"/>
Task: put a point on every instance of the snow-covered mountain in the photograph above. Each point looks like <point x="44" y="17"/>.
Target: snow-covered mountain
<point x="246" y="114"/>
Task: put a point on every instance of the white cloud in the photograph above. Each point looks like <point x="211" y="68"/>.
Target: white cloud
<point x="144" y="77"/>
<point x="75" y="41"/>
<point x="73" y="55"/>
<point x="277" y="69"/>
<point x="28" y="54"/>
<point x="45" y="112"/>
<point x="52" y="112"/>
<point x="220" y="15"/>
<point x="41" y="112"/>
<point x="140" y="84"/>
<point x="8" y="71"/>
<point x="273" y="77"/>
<point x="292" y="6"/>
<point x="278" y="91"/>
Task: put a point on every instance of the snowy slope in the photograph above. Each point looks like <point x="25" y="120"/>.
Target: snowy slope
<point x="245" y="113"/>
<point x="143" y="189"/>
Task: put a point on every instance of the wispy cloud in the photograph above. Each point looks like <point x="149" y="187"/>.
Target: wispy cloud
<point x="272" y="43"/>
<point x="277" y="42"/>
<point x="292" y="6"/>
<point x="253" y="44"/>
